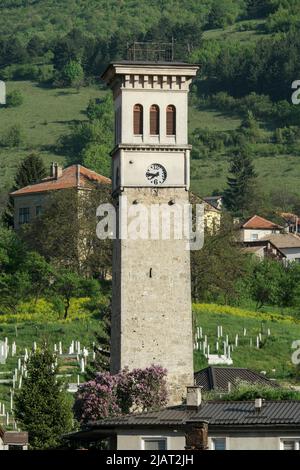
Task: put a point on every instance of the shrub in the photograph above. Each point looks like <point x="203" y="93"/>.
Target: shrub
<point x="224" y="309"/>
<point x="14" y="99"/>
<point x="113" y="395"/>
<point x="14" y="136"/>
<point x="20" y="72"/>
<point x="246" y="391"/>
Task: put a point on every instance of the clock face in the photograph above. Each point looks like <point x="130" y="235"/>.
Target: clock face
<point x="156" y="174"/>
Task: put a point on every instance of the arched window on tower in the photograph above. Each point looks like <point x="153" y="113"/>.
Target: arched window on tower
<point x="154" y="120"/>
<point x="171" y="120"/>
<point x="138" y="123"/>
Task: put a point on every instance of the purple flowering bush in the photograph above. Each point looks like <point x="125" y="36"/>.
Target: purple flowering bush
<point x="113" y="395"/>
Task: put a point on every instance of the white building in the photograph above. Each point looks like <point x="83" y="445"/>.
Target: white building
<point x="257" y="228"/>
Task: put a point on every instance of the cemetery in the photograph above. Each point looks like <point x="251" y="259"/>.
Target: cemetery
<point x="219" y="339"/>
<point x="71" y="358"/>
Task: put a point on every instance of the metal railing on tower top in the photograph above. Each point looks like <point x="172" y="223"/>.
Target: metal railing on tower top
<point x="151" y="51"/>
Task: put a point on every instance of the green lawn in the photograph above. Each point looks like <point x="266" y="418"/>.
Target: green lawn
<point x="232" y="33"/>
<point x="279" y="172"/>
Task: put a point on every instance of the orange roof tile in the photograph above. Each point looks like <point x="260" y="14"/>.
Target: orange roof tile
<point x="75" y="176"/>
<point x="257" y="222"/>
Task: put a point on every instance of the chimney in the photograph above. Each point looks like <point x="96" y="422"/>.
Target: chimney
<point x="193" y="397"/>
<point x="196" y="436"/>
<point x="258" y="404"/>
<point x="57" y="171"/>
<point x="52" y="170"/>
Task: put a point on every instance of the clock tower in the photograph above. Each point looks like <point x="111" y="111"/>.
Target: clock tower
<point x="151" y="303"/>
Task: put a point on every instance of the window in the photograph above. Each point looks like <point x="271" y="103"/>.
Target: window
<point x="15" y="447"/>
<point x="155" y="444"/>
<point x="290" y="444"/>
<point x="154" y="120"/>
<point x="138" y="119"/>
<point x="171" y="120"/>
<point x="254" y="236"/>
<point x="219" y="443"/>
<point x="23" y="215"/>
<point x="38" y="210"/>
<point x="118" y="126"/>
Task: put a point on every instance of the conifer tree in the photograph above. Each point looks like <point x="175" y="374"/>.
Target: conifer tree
<point x="31" y="170"/>
<point x="101" y="362"/>
<point x="240" y="191"/>
<point x="42" y="406"/>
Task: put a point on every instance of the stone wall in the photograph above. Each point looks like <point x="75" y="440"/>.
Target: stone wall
<point x="151" y="318"/>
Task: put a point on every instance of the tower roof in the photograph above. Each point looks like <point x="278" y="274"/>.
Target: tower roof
<point x="127" y="67"/>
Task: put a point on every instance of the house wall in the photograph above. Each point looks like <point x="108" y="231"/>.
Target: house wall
<point x="29" y="200"/>
<point x="129" y="440"/>
<point x="252" y="440"/>
<point x="292" y="254"/>
<point x="246" y="234"/>
<point x="212" y="220"/>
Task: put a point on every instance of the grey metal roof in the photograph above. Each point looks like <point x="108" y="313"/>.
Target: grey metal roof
<point x="217" y="378"/>
<point x="227" y="413"/>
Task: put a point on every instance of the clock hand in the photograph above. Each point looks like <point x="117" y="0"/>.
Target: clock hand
<point x="152" y="175"/>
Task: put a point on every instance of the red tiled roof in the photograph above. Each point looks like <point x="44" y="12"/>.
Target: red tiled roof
<point x="257" y="222"/>
<point x="75" y="176"/>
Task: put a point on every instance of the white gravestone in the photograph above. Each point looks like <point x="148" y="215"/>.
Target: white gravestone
<point x="2" y="352"/>
<point x="2" y="92"/>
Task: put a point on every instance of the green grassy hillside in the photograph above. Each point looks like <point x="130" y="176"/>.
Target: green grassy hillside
<point x="45" y="115"/>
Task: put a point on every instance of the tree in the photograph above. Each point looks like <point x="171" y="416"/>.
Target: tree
<point x="95" y="157"/>
<point x="224" y="13"/>
<point x="250" y="128"/>
<point x="65" y="233"/>
<point x="113" y="395"/>
<point x="42" y="406"/>
<point x="30" y="171"/>
<point x="14" y="288"/>
<point x="68" y="284"/>
<point x="35" y="46"/>
<point x="265" y="282"/>
<point x="101" y="362"/>
<point x="218" y="266"/>
<point x="240" y="191"/>
<point x="90" y="143"/>
<point x="40" y="274"/>
<point x="72" y="74"/>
